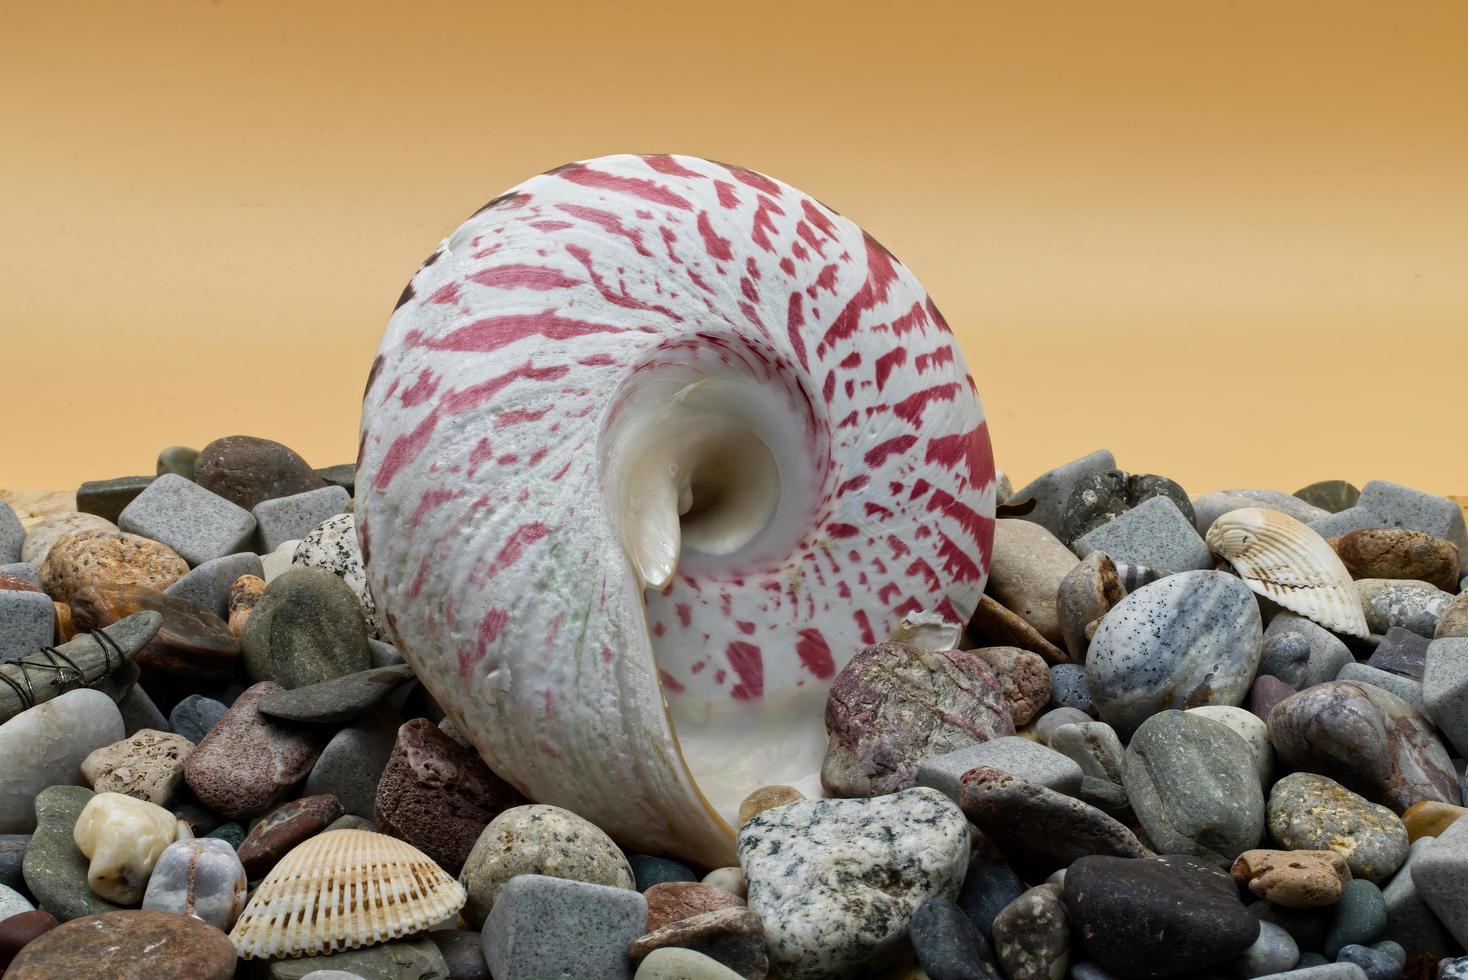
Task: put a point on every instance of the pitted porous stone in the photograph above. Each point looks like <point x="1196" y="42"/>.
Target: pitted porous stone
<point x="834" y="882"/>
<point x="148" y="765"/>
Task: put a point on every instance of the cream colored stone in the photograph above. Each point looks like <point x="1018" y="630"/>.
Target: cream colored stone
<point x="730" y="880"/>
<point x="123" y="838"/>
<point x="148" y="765"/>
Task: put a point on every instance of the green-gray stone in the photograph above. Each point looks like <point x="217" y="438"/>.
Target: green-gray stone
<point x="1332" y="495"/>
<point x="417" y="960"/>
<point x="179" y="460"/>
<point x="55" y="871"/>
<point x="350" y="821"/>
<point x="1360" y="917"/>
<point x="107" y="498"/>
<point x="306" y="628"/>
<point x="231" y="832"/>
<point x="341" y="475"/>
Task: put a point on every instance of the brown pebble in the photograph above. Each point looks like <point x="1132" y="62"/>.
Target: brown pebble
<point x="767" y="798"/>
<point x="192" y="643"/>
<point x="243" y="595"/>
<point x="1024" y="680"/>
<point x="10" y="583"/>
<point x="65" y="630"/>
<point x="673" y="901"/>
<point x="1293" y="879"/>
<point x="18" y="931"/>
<point x="278" y="832"/>
<point x="131" y="943"/>
<point x="1399" y="553"/>
<point x="731" y="936"/>
<point x="1429" y="818"/>
<point x="100" y="555"/>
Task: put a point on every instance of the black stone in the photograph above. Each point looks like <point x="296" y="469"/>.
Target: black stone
<point x="107" y="498"/>
<point x="948" y="944"/>
<point x="1307" y="927"/>
<point x="1156" y="917"/>
<point x="342" y="475"/>
<point x="649" y="870"/>
<point x="987" y="888"/>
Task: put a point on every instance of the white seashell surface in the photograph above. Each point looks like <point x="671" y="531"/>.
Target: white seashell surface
<point x="123" y="837"/>
<point x="652" y="446"/>
<point x="1285" y="561"/>
<point x="344" y="889"/>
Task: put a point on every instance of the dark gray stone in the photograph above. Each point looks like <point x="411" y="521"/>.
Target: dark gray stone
<point x="12" y="853"/>
<point x="306" y="628"/>
<point x="194" y="716"/>
<point x="948" y="944"/>
<point x="987" y="888"/>
<point x="179" y="460"/>
<point x="209" y="583"/>
<point x="1402" y="652"/>
<point x="339" y="699"/>
<point x="1101" y="497"/>
<point x="55" y="870"/>
<point x="107" y="498"/>
<point x="1331" y="496"/>
<point x="1051" y="490"/>
<point x="1360" y="917"/>
<point x="352" y="762"/>
<point x="138" y="712"/>
<point x="1408" y="919"/>
<point x="342" y="475"/>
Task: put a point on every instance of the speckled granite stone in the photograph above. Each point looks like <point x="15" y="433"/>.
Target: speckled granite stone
<point x="333" y="546"/>
<point x="1183" y="641"/>
<point x="834" y="882"/>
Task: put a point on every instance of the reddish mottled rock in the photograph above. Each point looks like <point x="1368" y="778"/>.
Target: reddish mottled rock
<point x="673" y="901"/>
<point x="1024" y="679"/>
<point x="1399" y="553"/>
<point x="192" y="643"/>
<point x="437" y="795"/>
<point x="1366" y="738"/>
<point x="129" y="943"/>
<point x="247" y="765"/>
<point x="731" y="936"/>
<point x="893" y="705"/>
<point x="247" y="470"/>
<point x="270" y="839"/>
<point x="83" y="558"/>
<point x="18" y="931"/>
<point x="9" y="583"/>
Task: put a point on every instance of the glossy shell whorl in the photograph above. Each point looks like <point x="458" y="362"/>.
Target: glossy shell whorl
<point x="663" y="378"/>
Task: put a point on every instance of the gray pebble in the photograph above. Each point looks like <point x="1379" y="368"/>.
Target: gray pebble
<point x="1360" y="917"/>
<point x="12" y="535"/>
<point x="1327" y="652"/>
<point x="1273" y="952"/>
<point x="195" y="523"/>
<point x="1057" y="718"/>
<point x="352" y="762"/>
<point x="24" y="570"/>
<point x="209" y="583"/>
<point x="283" y="519"/>
<point x="543" y="926"/>
<point x="1051" y="490"/>
<point x="1408" y="919"/>
<point x="1068" y="688"/>
<point x="194" y="716"/>
<point x="1009" y="753"/>
<point x="1445" y="688"/>
<point x="27" y="623"/>
<point x="1407" y="688"/>
<point x="1153" y="533"/>
<point x="1209" y="507"/>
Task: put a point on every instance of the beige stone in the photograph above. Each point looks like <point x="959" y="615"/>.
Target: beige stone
<point x="123" y="838"/>
<point x="1293" y="879"/>
<point x="84" y="557"/>
<point x="1028" y="566"/>
<point x="49" y="530"/>
<point x="673" y="901"/>
<point x="243" y="595"/>
<point x="148" y="765"/>
<point x="767" y="798"/>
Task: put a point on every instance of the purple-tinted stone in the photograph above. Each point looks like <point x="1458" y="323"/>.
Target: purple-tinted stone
<point x="1401" y="652"/>
<point x="1266" y="692"/>
<point x="247" y="764"/>
<point x="893" y="705"/>
<point x="1367" y="739"/>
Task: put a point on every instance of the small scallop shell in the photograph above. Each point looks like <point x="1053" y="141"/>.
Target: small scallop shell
<point x="344" y="889"/>
<point x="1284" y="560"/>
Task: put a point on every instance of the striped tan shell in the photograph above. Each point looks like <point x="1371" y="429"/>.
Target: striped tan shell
<point x="1284" y="560"/>
<point x="344" y="889"/>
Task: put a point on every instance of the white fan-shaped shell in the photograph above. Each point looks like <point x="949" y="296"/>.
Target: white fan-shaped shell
<point x="1285" y="561"/>
<point x="344" y="889"/>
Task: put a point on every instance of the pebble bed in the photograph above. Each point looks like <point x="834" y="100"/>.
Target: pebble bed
<point x="1131" y="766"/>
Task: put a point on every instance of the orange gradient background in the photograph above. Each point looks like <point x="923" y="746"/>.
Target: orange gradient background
<point x="1227" y="240"/>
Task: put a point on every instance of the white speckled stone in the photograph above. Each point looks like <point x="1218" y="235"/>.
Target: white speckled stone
<point x="13" y="902"/>
<point x="1184" y="641"/>
<point x="292" y="518"/>
<point x="203" y="878"/>
<point x="835" y="882"/>
<point x="195" y="523"/>
<point x="333" y="546"/>
<point x="45" y="745"/>
<point x="278" y="562"/>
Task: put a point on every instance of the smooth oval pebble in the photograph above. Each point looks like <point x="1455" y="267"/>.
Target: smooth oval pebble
<point x="333" y="545"/>
<point x="123" y="837"/>
<point x="1186" y="640"/>
<point x="202" y="878"/>
<point x="19" y="931"/>
<point x="46" y="745"/>
<point x="128" y="943"/>
<point x="282" y="829"/>
<point x="673" y="963"/>
<point x="1311" y="812"/>
<point x="305" y="629"/>
<point x="1273" y="952"/>
<point x="543" y="840"/>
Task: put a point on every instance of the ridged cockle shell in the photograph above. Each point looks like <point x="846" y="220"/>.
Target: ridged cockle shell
<point x="1284" y="560"/>
<point x="651" y="447"/>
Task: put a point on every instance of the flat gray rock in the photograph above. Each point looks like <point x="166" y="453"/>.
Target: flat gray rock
<point x="283" y="519"/>
<point x="1153" y="533"/>
<point x="209" y="583"/>
<point x="1184" y="641"/>
<point x="1445" y="689"/>
<point x="1439" y="872"/>
<point x="1409" y="920"/>
<point x="1407" y="688"/>
<point x="1193" y="785"/>
<point x="1051" y="490"/>
<point x="195" y="523"/>
<point x="1325" y="653"/>
<point x="1010" y="753"/>
<point x="27" y="623"/>
<point x="339" y="699"/>
<point x="351" y="765"/>
<point x="1209" y="507"/>
<point x="552" y="927"/>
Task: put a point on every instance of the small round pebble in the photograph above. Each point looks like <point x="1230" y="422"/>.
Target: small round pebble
<point x="767" y="798"/>
<point x="649" y="870"/>
<point x="1273" y="952"/>
<point x="194" y="716"/>
<point x="1360" y="917"/>
<point x="1058" y="718"/>
<point x="1379" y="965"/>
<point x="730" y="880"/>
